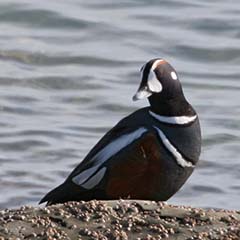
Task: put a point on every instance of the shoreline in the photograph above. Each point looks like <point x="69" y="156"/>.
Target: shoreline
<point x="118" y="219"/>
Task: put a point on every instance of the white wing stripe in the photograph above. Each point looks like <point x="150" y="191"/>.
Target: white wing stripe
<point x="173" y="120"/>
<point x="95" y="179"/>
<point x="103" y="155"/>
<point x="116" y="145"/>
<point x="83" y="176"/>
<point x="153" y="83"/>
<point x="177" y="155"/>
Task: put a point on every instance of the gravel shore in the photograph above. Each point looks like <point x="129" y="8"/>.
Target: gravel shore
<point x="123" y="219"/>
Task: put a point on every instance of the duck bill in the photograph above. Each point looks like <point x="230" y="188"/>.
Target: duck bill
<point x="141" y="94"/>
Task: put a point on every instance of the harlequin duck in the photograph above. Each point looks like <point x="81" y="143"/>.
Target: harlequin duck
<point x="148" y="155"/>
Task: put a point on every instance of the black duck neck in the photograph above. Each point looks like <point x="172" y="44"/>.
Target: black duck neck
<point x="177" y="106"/>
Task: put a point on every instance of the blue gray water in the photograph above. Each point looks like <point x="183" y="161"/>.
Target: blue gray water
<point x="68" y="70"/>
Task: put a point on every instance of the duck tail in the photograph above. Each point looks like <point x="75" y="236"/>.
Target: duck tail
<point x="57" y="195"/>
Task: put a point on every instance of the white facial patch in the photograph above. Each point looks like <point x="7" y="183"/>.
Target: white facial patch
<point x="179" y="120"/>
<point x="88" y="178"/>
<point x="176" y="154"/>
<point x="174" y="75"/>
<point x="140" y="94"/>
<point x="153" y="83"/>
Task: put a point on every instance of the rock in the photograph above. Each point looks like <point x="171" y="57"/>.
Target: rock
<point x="120" y="220"/>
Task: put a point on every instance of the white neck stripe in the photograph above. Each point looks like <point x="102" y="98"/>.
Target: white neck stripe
<point x="176" y="154"/>
<point x="180" y="120"/>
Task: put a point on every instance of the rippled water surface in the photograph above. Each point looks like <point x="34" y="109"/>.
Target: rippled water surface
<point x="68" y="70"/>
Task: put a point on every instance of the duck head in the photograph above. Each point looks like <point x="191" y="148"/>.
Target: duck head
<point x="158" y="77"/>
<point x="161" y="85"/>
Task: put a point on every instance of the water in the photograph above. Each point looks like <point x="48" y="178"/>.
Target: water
<point x="68" y="70"/>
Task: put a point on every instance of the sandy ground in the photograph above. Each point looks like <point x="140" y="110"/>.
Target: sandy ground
<point x="123" y="219"/>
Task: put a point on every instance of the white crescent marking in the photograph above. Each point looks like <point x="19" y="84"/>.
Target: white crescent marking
<point x="177" y="155"/>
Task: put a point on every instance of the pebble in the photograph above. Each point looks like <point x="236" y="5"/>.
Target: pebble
<point x="127" y="218"/>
